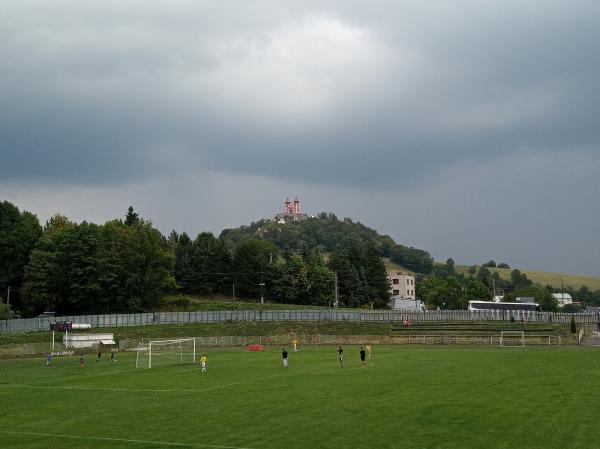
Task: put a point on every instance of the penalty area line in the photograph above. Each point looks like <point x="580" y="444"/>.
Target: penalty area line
<point x="120" y="440"/>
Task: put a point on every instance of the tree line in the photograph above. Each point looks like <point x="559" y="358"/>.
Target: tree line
<point x="126" y="265"/>
<point x="444" y="287"/>
<point x="254" y="268"/>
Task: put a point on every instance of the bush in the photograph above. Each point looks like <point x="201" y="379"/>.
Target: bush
<point x="5" y="313"/>
<point x="180" y="303"/>
<point x="571" y="308"/>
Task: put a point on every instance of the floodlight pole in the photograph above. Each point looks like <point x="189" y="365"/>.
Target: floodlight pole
<point x="10" y="315"/>
<point x="335" y="289"/>
<point x="262" y="296"/>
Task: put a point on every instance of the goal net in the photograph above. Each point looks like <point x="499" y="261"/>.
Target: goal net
<point x="512" y="338"/>
<point x="165" y="352"/>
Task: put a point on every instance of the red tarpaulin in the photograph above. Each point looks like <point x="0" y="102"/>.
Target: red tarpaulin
<point x="255" y="347"/>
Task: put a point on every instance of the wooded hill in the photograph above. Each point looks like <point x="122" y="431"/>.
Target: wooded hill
<point x="327" y="233"/>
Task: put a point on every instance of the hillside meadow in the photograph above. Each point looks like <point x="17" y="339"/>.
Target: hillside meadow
<point x="545" y="277"/>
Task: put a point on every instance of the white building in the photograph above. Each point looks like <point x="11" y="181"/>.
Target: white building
<point x="79" y="341"/>
<point x="403" y="285"/>
<point x="562" y="298"/>
<point x="403" y="291"/>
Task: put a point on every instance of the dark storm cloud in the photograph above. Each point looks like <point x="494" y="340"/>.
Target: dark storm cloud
<point x="112" y="92"/>
<point x="463" y="127"/>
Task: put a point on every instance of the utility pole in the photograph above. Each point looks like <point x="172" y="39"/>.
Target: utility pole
<point x="335" y="288"/>
<point x="10" y="317"/>
<point x="494" y="289"/>
<point x="262" y="296"/>
<point x="562" y="290"/>
<point x="233" y="290"/>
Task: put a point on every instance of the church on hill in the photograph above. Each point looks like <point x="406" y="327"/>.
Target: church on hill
<point x="291" y="212"/>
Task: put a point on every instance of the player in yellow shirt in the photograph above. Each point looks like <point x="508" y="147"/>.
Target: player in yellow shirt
<point x="204" y="362"/>
<point x="369" y="349"/>
<point x="295" y="344"/>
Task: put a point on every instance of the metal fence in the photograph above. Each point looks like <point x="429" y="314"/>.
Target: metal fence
<point x="376" y="316"/>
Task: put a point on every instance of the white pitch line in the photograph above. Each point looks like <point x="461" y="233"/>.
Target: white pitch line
<point x="122" y="440"/>
<point x="141" y="390"/>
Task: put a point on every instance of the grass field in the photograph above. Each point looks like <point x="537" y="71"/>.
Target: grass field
<point x="432" y="397"/>
<point x="200" y="303"/>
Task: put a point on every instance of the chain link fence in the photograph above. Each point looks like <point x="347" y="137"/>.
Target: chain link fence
<point x="442" y="316"/>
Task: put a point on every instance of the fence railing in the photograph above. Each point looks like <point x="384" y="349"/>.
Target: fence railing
<point x="376" y="316"/>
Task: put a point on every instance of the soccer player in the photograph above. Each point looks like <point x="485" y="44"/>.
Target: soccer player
<point x="48" y="359"/>
<point x="363" y="356"/>
<point x="295" y="343"/>
<point x="284" y="356"/>
<point x="99" y="359"/>
<point x="112" y="356"/>
<point x="81" y="361"/>
<point x="340" y="351"/>
<point x="369" y="350"/>
<point x="203" y="362"/>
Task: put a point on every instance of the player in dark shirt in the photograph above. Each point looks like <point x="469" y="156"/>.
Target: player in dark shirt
<point x="284" y="356"/>
<point x="340" y="351"/>
<point x="363" y="356"/>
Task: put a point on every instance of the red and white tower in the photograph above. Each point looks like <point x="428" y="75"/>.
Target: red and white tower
<point x="287" y="206"/>
<point x="296" y="206"/>
<point x="290" y="207"/>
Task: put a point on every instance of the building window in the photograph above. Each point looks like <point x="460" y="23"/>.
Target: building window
<point x="395" y="281"/>
<point x="407" y="282"/>
<point x="395" y="292"/>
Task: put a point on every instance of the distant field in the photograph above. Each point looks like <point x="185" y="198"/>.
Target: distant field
<point x="435" y="397"/>
<point x="392" y="266"/>
<point x="200" y="303"/>
<point x="545" y="278"/>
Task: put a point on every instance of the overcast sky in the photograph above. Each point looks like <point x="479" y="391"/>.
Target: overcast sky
<point x="470" y="129"/>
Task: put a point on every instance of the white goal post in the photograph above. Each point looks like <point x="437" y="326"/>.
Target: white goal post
<point x="162" y="352"/>
<point x="512" y="338"/>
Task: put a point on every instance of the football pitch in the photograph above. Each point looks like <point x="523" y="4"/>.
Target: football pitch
<point x="406" y="397"/>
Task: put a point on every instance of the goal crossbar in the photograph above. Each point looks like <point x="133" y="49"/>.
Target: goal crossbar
<point x="518" y="336"/>
<point x="180" y="350"/>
